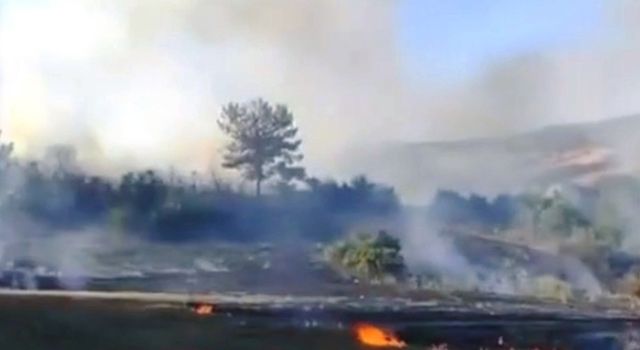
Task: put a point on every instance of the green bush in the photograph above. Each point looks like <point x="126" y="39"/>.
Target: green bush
<point x="370" y="257"/>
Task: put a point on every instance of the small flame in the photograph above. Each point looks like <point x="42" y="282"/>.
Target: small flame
<point x="377" y="337"/>
<point x="203" y="309"/>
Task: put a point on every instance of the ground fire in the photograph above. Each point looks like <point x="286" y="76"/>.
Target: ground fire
<point x="203" y="309"/>
<point x="374" y="336"/>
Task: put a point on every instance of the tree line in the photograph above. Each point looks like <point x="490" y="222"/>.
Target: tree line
<point x="263" y="147"/>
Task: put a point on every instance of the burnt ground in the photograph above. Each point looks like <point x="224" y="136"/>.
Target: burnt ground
<point x="111" y="318"/>
<point x="83" y="320"/>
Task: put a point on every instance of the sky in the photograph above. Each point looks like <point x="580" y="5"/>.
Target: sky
<point x="139" y="83"/>
<point x="455" y="39"/>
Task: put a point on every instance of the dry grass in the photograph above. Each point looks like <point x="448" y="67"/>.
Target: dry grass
<point x="629" y="284"/>
<point x="551" y="287"/>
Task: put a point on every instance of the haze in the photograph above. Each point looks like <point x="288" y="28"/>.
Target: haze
<point x="135" y="84"/>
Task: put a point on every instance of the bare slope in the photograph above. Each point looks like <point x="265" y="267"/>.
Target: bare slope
<point x="572" y="152"/>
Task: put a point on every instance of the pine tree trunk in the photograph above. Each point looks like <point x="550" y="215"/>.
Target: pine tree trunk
<point x="258" y="187"/>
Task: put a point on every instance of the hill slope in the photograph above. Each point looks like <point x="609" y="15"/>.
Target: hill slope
<point x="572" y="152"/>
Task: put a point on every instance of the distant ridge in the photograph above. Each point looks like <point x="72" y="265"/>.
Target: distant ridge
<point x="578" y="152"/>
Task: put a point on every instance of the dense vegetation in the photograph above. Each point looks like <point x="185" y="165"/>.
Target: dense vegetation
<point x="601" y="214"/>
<point x="145" y="203"/>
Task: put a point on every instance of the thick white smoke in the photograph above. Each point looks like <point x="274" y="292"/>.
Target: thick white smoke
<point x="139" y="83"/>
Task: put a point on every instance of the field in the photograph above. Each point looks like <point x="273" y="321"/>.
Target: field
<point x="81" y="320"/>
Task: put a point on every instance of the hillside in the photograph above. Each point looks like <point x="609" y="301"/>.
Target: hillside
<point x="572" y="152"/>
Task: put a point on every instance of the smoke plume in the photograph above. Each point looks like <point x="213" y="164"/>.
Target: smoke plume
<point x="139" y="83"/>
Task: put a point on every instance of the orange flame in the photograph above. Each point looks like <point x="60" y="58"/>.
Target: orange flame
<point x="203" y="309"/>
<point x="377" y="337"/>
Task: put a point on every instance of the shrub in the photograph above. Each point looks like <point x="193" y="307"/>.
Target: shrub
<point x="370" y="257"/>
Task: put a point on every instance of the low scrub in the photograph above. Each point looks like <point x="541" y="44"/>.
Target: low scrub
<point x="369" y="257"/>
